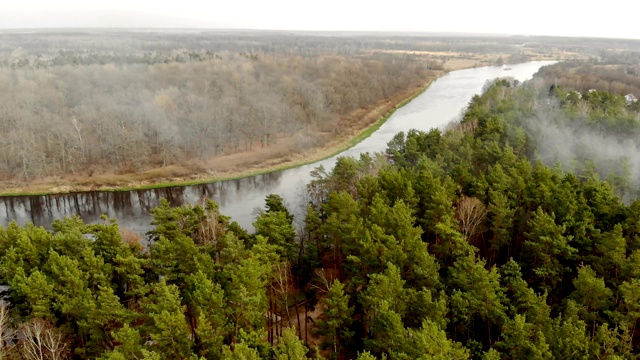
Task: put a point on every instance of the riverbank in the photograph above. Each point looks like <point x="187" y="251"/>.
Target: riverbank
<point x="226" y="166"/>
<point x="278" y="157"/>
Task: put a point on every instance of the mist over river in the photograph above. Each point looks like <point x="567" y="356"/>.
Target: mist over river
<point x="436" y="107"/>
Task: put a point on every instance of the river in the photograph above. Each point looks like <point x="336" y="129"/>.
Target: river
<point x="442" y="102"/>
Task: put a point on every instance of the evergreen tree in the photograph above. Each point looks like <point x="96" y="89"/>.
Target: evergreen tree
<point x="336" y="324"/>
<point x="546" y="249"/>
<point x="290" y="347"/>
<point x="166" y="323"/>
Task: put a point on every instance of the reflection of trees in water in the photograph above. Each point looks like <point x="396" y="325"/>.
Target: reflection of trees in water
<point x="148" y="199"/>
<point x="144" y="200"/>
<point x="267" y="181"/>
<point x="9" y="205"/>
<point x="231" y="192"/>
<point x="132" y="208"/>
<point x="32" y="207"/>
<point x="9" y="210"/>
<point x="36" y="208"/>
<point x="121" y="201"/>
<point x="175" y="195"/>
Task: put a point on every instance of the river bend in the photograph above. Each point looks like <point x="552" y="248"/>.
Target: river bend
<point x="442" y="102"/>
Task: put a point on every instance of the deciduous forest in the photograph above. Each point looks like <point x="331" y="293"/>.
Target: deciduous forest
<point x="479" y="242"/>
<point x="70" y="118"/>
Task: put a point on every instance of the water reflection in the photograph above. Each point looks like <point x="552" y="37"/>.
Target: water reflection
<point x="442" y="102"/>
<point x="131" y="208"/>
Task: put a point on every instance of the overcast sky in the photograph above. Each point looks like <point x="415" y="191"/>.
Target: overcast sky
<point x="612" y="18"/>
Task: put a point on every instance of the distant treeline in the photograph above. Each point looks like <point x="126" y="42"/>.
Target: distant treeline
<point x="34" y="49"/>
<point x="96" y="46"/>
<point x="618" y="77"/>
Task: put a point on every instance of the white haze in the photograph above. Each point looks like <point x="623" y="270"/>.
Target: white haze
<point x="571" y="146"/>
<point x="616" y="18"/>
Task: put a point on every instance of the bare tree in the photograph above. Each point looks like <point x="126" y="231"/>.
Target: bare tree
<point x="471" y="212"/>
<point x="78" y="127"/>
<point x="7" y="333"/>
<point x="39" y="340"/>
<point x="323" y="280"/>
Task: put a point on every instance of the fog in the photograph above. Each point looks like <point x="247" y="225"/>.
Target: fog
<point x="582" y="150"/>
<point x="463" y="16"/>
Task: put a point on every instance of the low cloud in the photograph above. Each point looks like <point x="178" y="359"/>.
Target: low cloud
<point x="580" y="149"/>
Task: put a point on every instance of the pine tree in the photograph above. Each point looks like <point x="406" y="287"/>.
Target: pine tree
<point x="336" y="324"/>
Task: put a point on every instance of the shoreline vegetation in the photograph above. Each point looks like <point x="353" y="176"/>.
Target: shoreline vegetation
<point x="198" y="173"/>
<point x="127" y="182"/>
